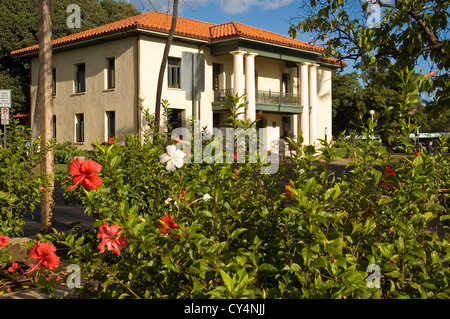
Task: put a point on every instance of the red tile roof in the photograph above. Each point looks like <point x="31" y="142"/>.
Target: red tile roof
<point x="245" y="31"/>
<point x="161" y="22"/>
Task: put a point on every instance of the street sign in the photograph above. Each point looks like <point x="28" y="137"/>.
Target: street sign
<point x="5" y="113"/>
<point x="193" y="75"/>
<point x="5" y="98"/>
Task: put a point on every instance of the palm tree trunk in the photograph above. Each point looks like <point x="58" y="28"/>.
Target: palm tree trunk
<point x="164" y="64"/>
<point x="44" y="109"/>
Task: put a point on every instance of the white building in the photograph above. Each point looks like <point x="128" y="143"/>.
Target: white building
<point x="99" y="75"/>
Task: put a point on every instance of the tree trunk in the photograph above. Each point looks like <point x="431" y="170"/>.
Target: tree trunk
<point x="164" y="64"/>
<point x="44" y="109"/>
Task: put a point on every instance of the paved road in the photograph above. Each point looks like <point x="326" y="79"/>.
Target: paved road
<point x="64" y="216"/>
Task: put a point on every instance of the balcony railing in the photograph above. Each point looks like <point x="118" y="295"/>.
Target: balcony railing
<point x="262" y="97"/>
<point x="278" y="98"/>
<point x="223" y="95"/>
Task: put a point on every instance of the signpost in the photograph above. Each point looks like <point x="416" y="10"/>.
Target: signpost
<point x="193" y="77"/>
<point x="5" y="105"/>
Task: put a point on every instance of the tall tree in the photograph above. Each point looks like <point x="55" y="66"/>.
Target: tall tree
<point x="19" y="29"/>
<point x="44" y="108"/>
<point x="381" y="32"/>
<point x="348" y="104"/>
<point x="162" y="69"/>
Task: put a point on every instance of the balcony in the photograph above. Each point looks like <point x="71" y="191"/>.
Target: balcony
<point x="268" y="101"/>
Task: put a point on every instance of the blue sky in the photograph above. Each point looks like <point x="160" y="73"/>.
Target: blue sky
<point x="271" y="15"/>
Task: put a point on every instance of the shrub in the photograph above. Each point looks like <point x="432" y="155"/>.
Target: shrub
<point x="20" y="181"/>
<point x="227" y="231"/>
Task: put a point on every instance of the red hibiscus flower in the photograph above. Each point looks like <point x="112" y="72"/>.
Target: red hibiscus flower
<point x="178" y="140"/>
<point x="111" y="238"/>
<point x="4" y="240"/>
<point x="13" y="267"/>
<point x="258" y="115"/>
<point x="166" y="223"/>
<point x="287" y="190"/>
<point x="431" y="73"/>
<point x="388" y="172"/>
<point x="44" y="253"/>
<point x="85" y="173"/>
<point x="111" y="140"/>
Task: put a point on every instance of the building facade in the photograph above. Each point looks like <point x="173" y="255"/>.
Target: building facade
<point x="102" y="77"/>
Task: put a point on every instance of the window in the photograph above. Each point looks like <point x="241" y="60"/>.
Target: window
<point x="110" y="124"/>
<point x="54" y="82"/>
<point x="173" y="70"/>
<point x="217" y="77"/>
<point x="80" y="78"/>
<point x="79" y="128"/>
<point x="285" y="83"/>
<point x="176" y="118"/>
<point x="54" y="126"/>
<point x="111" y="74"/>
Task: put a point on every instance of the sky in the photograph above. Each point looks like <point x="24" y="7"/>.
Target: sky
<point x="272" y="15"/>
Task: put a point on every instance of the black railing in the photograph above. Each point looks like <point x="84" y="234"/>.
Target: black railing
<point x="263" y="97"/>
<point x="223" y="95"/>
<point x="270" y="97"/>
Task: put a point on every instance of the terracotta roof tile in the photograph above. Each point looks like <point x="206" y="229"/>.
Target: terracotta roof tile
<point x="238" y="29"/>
<point x="161" y="22"/>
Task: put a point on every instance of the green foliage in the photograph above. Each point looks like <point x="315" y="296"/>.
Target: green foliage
<point x="65" y="152"/>
<point x="20" y="186"/>
<point x="408" y="32"/>
<point x="249" y="240"/>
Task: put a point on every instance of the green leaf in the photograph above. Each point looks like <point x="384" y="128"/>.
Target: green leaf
<point x="267" y="267"/>
<point x="237" y="232"/>
<point x="385" y="251"/>
<point x="369" y="227"/>
<point x="309" y="186"/>
<point x="227" y="280"/>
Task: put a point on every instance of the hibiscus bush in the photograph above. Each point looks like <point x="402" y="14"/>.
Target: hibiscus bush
<point x="21" y="183"/>
<point x="169" y="228"/>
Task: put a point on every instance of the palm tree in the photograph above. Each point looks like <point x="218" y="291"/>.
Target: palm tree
<point x="42" y="125"/>
<point x="164" y="64"/>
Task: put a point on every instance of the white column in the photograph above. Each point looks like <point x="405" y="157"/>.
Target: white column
<point x="238" y="68"/>
<point x="313" y="119"/>
<point x="304" y="101"/>
<point x="250" y="90"/>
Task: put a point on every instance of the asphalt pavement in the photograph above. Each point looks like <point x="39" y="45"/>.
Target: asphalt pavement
<point x="64" y="216"/>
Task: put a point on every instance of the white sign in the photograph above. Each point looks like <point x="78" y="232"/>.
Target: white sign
<point x="5" y="113"/>
<point x="5" y="116"/>
<point x="5" y="98"/>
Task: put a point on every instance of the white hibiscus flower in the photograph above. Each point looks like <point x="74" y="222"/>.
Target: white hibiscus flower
<point x="173" y="157"/>
<point x="206" y="197"/>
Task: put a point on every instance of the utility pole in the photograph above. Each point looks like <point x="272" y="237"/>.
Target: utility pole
<point x="44" y="107"/>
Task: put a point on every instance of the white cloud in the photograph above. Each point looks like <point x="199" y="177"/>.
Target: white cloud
<point x="226" y="6"/>
<point x="240" y="6"/>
